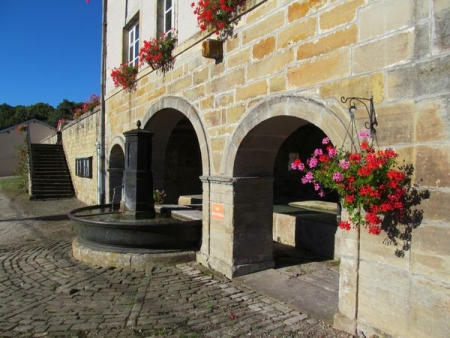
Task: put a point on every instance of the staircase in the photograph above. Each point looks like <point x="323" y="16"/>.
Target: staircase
<point x="50" y="176"/>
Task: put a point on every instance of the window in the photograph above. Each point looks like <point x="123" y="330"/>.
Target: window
<point x="83" y="167"/>
<point x="165" y="16"/>
<point x="133" y="44"/>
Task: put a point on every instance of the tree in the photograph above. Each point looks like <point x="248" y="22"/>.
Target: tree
<point x="6" y="116"/>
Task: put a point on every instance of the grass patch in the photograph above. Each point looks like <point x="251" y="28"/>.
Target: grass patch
<point x="12" y="186"/>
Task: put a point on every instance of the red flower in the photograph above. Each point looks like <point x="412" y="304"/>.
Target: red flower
<point x="344" y="225"/>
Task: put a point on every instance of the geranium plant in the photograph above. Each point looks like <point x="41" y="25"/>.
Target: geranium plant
<point x="87" y="106"/>
<point x="217" y="15"/>
<point x="157" y="53"/>
<point x="125" y="76"/>
<point x="62" y="123"/>
<point x="369" y="183"/>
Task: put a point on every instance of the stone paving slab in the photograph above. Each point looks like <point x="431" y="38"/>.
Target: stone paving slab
<point x="45" y="292"/>
<point x="62" y="297"/>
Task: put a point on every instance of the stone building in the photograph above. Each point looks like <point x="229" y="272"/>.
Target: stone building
<point x="11" y="138"/>
<point x="225" y="129"/>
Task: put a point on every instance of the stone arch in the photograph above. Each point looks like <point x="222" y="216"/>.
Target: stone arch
<point x="174" y="103"/>
<point x="247" y="171"/>
<point x="116" y="166"/>
<point x="292" y="112"/>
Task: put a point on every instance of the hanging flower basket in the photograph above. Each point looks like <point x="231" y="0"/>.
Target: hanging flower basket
<point x="217" y="15"/>
<point x="369" y="183"/>
<point x="157" y="53"/>
<point x="125" y="76"/>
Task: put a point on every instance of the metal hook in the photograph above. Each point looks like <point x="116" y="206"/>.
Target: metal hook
<point x="370" y="111"/>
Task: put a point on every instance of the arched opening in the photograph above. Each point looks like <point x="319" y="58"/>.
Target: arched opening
<point x="298" y="238"/>
<point x="116" y="168"/>
<point x="176" y="157"/>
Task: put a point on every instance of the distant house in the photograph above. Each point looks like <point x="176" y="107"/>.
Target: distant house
<point x="11" y="137"/>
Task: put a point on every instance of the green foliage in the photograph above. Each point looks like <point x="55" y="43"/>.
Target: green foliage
<point x="11" y="185"/>
<point x="10" y="116"/>
<point x="21" y="169"/>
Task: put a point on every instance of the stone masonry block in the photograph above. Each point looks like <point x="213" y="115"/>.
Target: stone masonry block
<point x="217" y="144"/>
<point x="376" y="249"/>
<point x="430" y="255"/>
<point x="228" y="81"/>
<point x="255" y="32"/>
<point x="213" y="118"/>
<point x="179" y="85"/>
<point x="270" y="65"/>
<point x="299" y="10"/>
<point x="223" y="100"/>
<point x="322" y="69"/>
<point x="433" y="77"/>
<point x="238" y="58"/>
<point x="384" y="17"/>
<point x="360" y="86"/>
<point x="234" y="113"/>
<point x="261" y="11"/>
<point x="263" y="48"/>
<point x="429" y="304"/>
<point x="252" y="90"/>
<point x="195" y="93"/>
<point x="383" y="53"/>
<point x="442" y="28"/>
<point x="328" y="43"/>
<point x="396" y="122"/>
<point x="277" y="83"/>
<point x="387" y="288"/>
<point x="284" y="229"/>
<point x="432" y="123"/>
<point x="201" y="76"/>
<point x="432" y="207"/>
<point x="432" y="165"/>
<point x="296" y="32"/>
<point x="340" y="14"/>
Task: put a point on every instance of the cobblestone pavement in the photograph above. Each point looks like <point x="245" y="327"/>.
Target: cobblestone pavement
<point x="44" y="292"/>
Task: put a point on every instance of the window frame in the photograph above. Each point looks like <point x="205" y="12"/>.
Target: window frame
<point x="162" y="25"/>
<point x="83" y="167"/>
<point x="131" y="28"/>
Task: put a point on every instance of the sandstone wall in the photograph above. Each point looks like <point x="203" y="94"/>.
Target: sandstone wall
<point x="291" y="58"/>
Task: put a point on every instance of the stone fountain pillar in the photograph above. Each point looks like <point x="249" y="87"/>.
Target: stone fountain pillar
<point x="138" y="177"/>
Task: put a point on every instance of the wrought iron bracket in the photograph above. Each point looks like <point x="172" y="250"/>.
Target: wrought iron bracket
<point x="369" y="108"/>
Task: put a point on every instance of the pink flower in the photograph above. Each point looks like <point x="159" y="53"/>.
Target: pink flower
<point x="312" y="162"/>
<point x="308" y="178"/>
<point x="326" y="140"/>
<point x="338" y="177"/>
<point x="318" y="152"/>
<point x="364" y="133"/>
<point x="297" y="165"/>
<point x="344" y="164"/>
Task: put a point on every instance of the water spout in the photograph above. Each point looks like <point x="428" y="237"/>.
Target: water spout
<point x="114" y="196"/>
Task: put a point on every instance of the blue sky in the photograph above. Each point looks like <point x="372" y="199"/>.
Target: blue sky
<point x="50" y="51"/>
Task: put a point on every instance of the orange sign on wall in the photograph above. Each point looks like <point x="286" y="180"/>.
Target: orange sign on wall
<point x="217" y="211"/>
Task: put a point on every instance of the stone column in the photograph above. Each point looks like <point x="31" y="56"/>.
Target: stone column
<point x="238" y="238"/>
<point x="137" y="178"/>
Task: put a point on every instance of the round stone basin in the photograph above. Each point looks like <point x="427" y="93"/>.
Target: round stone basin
<point x="99" y="228"/>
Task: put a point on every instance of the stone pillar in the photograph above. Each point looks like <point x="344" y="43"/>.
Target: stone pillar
<point x="238" y="238"/>
<point x="137" y="178"/>
<point x="347" y="316"/>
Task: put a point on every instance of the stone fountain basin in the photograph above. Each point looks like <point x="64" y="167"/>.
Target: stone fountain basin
<point x="101" y="229"/>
